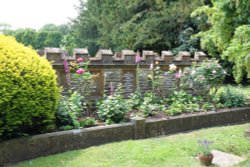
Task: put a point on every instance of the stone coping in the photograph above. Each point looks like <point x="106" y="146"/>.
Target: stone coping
<point x="20" y="149"/>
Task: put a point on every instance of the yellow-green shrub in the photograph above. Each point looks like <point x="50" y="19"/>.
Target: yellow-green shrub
<point x="28" y="90"/>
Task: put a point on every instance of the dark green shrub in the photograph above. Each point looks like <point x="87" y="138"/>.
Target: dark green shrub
<point x="230" y="97"/>
<point x="69" y="110"/>
<point x="28" y="89"/>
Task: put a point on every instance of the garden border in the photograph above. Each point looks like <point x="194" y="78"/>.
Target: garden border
<point x="15" y="150"/>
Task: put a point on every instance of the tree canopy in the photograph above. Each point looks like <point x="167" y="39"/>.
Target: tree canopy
<point x="134" y="24"/>
<point x="49" y="35"/>
<point x="228" y="33"/>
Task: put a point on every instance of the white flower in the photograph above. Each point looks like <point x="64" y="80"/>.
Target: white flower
<point x="172" y="67"/>
<point x="224" y="72"/>
<point x="151" y="66"/>
<point x="193" y="72"/>
<point x="213" y="71"/>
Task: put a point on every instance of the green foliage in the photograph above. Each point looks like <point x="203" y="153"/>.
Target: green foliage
<point x="205" y="147"/>
<point x="154" y="24"/>
<point x="151" y="104"/>
<point x="28" y="88"/>
<point x="181" y="102"/>
<point x="206" y="77"/>
<point x="209" y="74"/>
<point x="87" y="122"/>
<point x="49" y="35"/>
<point x="207" y="106"/>
<point x="114" y="107"/>
<point x="230" y="97"/>
<point x="237" y="52"/>
<point x="135" y="100"/>
<point x="228" y="34"/>
<point x="69" y="110"/>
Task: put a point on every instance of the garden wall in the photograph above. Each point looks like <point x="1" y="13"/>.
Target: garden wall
<point x="120" y="67"/>
<point x="15" y="150"/>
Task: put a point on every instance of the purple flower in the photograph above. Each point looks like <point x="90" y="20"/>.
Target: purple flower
<point x="66" y="66"/>
<point x="137" y="57"/>
<point x="80" y="71"/>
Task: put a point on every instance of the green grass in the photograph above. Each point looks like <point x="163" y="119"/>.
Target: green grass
<point x="171" y="151"/>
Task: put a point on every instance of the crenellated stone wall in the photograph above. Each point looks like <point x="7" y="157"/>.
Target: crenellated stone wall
<point x="120" y="67"/>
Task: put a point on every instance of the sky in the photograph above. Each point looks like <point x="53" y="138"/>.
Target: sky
<point x="36" y="13"/>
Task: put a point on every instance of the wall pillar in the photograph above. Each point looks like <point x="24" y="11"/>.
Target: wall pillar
<point x="139" y="127"/>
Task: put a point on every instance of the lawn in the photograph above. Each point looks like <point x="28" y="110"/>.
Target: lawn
<point x="175" y="150"/>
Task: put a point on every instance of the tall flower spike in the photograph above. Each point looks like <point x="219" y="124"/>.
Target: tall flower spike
<point x="66" y="66"/>
<point x="137" y="57"/>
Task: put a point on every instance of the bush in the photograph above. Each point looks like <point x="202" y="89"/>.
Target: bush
<point x="69" y="110"/>
<point x="114" y="107"/>
<point x="181" y="102"/>
<point x="87" y="122"/>
<point x="151" y="104"/>
<point x="230" y="97"/>
<point x="28" y="89"/>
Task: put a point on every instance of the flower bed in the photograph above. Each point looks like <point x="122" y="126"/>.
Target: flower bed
<point x="40" y="145"/>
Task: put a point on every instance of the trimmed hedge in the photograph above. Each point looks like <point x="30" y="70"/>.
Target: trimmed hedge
<point x="28" y="89"/>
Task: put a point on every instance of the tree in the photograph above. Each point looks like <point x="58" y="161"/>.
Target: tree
<point x="132" y="24"/>
<point x="228" y="34"/>
<point x="49" y="35"/>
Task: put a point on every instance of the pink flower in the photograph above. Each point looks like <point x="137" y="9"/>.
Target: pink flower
<point x="137" y="57"/>
<point x="66" y="66"/>
<point x="80" y="71"/>
<point x="79" y="60"/>
<point x="178" y="74"/>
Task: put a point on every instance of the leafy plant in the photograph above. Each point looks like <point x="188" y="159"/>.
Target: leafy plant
<point x="205" y="147"/>
<point x="230" y="97"/>
<point x="180" y="102"/>
<point x="135" y="100"/>
<point x="69" y="110"/>
<point x="114" y="107"/>
<point x="87" y="122"/>
<point x="206" y="77"/>
<point x="151" y="104"/>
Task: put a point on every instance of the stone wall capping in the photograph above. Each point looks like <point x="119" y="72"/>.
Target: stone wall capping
<point x="184" y="56"/>
<point x="126" y="56"/>
<point x="105" y="52"/>
<point x="52" y="50"/>
<point x="81" y="51"/>
<point x="200" y="56"/>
